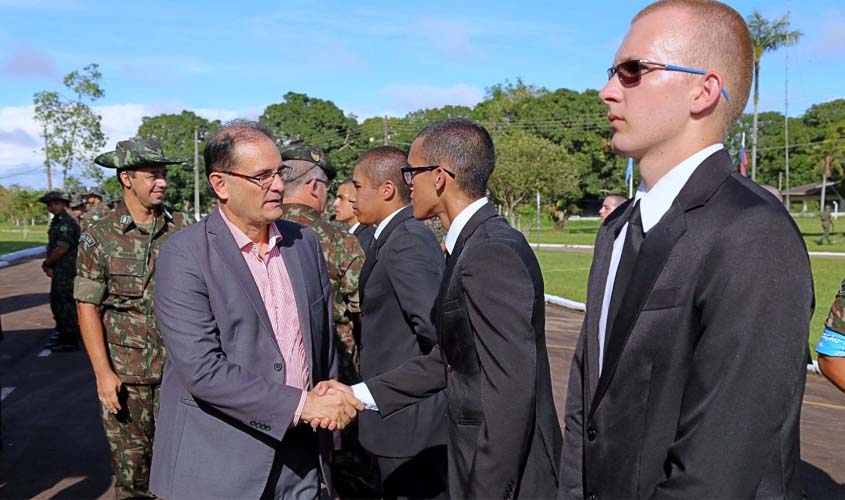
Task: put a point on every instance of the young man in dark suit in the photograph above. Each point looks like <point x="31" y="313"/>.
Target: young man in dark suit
<point x="689" y="372"/>
<point x="398" y="288"/>
<point x="504" y="437"/>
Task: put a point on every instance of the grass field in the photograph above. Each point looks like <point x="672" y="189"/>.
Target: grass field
<point x="565" y="275"/>
<point x="583" y="232"/>
<point x="13" y="239"/>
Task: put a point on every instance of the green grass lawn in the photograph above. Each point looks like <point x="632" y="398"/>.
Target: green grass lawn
<point x="13" y="239"/>
<point x="566" y="273"/>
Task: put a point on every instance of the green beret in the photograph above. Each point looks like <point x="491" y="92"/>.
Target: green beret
<point x="136" y="153"/>
<point x="310" y="154"/>
<point x="55" y="196"/>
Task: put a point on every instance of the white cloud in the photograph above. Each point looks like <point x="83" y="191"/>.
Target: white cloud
<point x="28" y="62"/>
<point x="406" y="98"/>
<point x="20" y="140"/>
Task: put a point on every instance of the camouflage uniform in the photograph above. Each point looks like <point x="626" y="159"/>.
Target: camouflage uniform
<point x="115" y="271"/>
<point x="64" y="233"/>
<point x="826" y="221"/>
<point x="439" y="231"/>
<point x="345" y="259"/>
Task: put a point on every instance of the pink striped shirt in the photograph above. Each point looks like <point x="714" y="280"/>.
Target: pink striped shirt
<point x="271" y="277"/>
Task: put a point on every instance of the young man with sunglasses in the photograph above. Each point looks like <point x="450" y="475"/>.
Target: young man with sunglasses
<point x="688" y="375"/>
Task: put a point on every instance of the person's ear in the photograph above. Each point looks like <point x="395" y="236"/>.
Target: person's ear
<point x="706" y="93"/>
<point x="388" y="190"/>
<point x="125" y="179"/>
<point x="219" y="185"/>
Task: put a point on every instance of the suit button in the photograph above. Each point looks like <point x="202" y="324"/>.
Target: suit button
<point x="591" y="496"/>
<point x="277" y="367"/>
<point x="591" y="434"/>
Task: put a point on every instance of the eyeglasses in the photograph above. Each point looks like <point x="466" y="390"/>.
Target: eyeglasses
<point x="408" y="172"/>
<point x="264" y="180"/>
<point x="630" y="72"/>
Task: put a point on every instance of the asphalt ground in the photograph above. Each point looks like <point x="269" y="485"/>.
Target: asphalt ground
<point x="54" y="447"/>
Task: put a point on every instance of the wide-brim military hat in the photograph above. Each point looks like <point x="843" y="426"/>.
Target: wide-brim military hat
<point x="55" y="196"/>
<point x="303" y="152"/>
<point x="136" y="153"/>
<point x="77" y="201"/>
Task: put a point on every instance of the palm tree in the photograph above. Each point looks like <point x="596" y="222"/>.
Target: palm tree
<point x="766" y="36"/>
<point x="832" y="162"/>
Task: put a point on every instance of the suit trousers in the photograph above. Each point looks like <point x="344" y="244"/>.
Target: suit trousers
<point x="296" y="469"/>
<point x="422" y="476"/>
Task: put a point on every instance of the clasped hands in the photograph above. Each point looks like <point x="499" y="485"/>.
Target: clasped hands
<point x="330" y="405"/>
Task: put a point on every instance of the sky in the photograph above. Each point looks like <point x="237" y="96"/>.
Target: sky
<point x="224" y="60"/>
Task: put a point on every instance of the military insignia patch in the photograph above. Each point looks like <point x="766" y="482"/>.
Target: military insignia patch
<point x="63" y="228"/>
<point x="125" y="219"/>
<point x="315" y="155"/>
<point x="87" y="239"/>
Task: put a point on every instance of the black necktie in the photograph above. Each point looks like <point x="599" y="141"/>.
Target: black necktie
<point x="630" y="249"/>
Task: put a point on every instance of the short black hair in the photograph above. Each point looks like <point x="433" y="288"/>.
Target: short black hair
<point x="465" y="147"/>
<point x="219" y="153"/>
<point x="385" y="163"/>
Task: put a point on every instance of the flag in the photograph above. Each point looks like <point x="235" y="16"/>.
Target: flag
<point x="629" y="172"/>
<point x="743" y="158"/>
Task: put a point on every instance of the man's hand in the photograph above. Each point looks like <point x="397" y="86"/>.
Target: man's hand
<point x="324" y="386"/>
<point x="108" y="388"/>
<point x="330" y="408"/>
<point x="47" y="270"/>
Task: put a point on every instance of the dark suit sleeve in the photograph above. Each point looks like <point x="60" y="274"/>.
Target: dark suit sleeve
<point x="571" y="460"/>
<point x="328" y="299"/>
<point x="187" y="325"/>
<point x="415" y="268"/>
<point x="746" y="380"/>
<point x="409" y="383"/>
<point x="499" y="295"/>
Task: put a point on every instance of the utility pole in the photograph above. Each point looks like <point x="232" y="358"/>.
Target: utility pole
<point x="786" y="108"/>
<point x="196" y="175"/>
<point x="386" y="137"/>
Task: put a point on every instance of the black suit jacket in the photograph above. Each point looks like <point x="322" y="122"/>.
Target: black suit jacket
<point x="703" y="375"/>
<point x="504" y="436"/>
<point x="398" y="287"/>
<point x="364" y="233"/>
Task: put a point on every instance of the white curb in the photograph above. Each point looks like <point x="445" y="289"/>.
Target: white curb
<point x="27" y="253"/>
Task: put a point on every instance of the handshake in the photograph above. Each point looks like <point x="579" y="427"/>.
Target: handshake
<point x="330" y="405"/>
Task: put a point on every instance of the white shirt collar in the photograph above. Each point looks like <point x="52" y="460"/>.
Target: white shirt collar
<point x="354" y="227"/>
<point x="461" y="221"/>
<point x="655" y="202"/>
<point x="383" y="224"/>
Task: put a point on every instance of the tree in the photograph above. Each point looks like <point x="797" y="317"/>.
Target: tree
<point x="766" y="36"/>
<point x="70" y="128"/>
<point x="315" y="122"/>
<point x="526" y="164"/>
<point x="176" y="136"/>
<point x="832" y="162"/>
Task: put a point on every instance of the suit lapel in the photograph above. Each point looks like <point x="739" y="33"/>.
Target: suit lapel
<point x="595" y="294"/>
<point x="655" y="250"/>
<point x="222" y="240"/>
<point x="486" y="212"/>
<point x="372" y="253"/>
<point x="293" y="264"/>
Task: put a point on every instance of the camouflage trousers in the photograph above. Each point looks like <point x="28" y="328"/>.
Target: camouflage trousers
<point x="130" y="434"/>
<point x="63" y="308"/>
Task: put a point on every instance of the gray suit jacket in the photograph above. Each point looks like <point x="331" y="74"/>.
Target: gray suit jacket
<point x="703" y="376"/>
<point x="224" y="406"/>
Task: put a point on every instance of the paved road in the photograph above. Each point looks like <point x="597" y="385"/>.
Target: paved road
<point x="53" y="444"/>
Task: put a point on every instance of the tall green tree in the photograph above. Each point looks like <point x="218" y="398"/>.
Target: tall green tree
<point x="70" y="128"/>
<point x="766" y="36"/>
<point x="175" y="133"/>
<point x="317" y="122"/>
<point x="526" y="164"/>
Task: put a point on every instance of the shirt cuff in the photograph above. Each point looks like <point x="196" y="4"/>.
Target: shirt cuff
<point x="298" y="413"/>
<point x="362" y="393"/>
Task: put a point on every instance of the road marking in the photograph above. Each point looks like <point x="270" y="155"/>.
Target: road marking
<point x="5" y="391"/>
<point x="45" y="353"/>
<point x="567" y="347"/>
<point x="824" y="405"/>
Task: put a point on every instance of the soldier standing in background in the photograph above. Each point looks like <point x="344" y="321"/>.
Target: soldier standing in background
<point x="345" y="214"/>
<point x="95" y="208"/>
<point x="114" y="291"/>
<point x="77" y="209"/>
<point x="60" y="266"/>
<point x="827" y="220"/>
<point x="305" y="200"/>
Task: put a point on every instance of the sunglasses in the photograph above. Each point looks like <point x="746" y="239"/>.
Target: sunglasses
<point x="630" y="72"/>
<point x="408" y="172"/>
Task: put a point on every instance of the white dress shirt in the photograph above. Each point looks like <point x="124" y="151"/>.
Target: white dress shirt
<point x="654" y="203"/>
<point x="383" y="224"/>
<point x="360" y="390"/>
<point x="353" y="228"/>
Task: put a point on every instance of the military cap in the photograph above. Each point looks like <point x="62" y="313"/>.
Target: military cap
<point x="95" y="191"/>
<point x="77" y="201"/>
<point x="136" y="153"/>
<point x="55" y="196"/>
<point x="310" y="154"/>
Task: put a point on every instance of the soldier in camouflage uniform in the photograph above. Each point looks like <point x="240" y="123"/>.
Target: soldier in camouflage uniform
<point x="831" y="346"/>
<point x="306" y="200"/>
<point x="95" y="208"/>
<point x="114" y="282"/>
<point x="60" y="266"/>
<point x="77" y="207"/>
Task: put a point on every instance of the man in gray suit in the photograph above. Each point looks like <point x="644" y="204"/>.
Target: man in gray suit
<point x="243" y="303"/>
